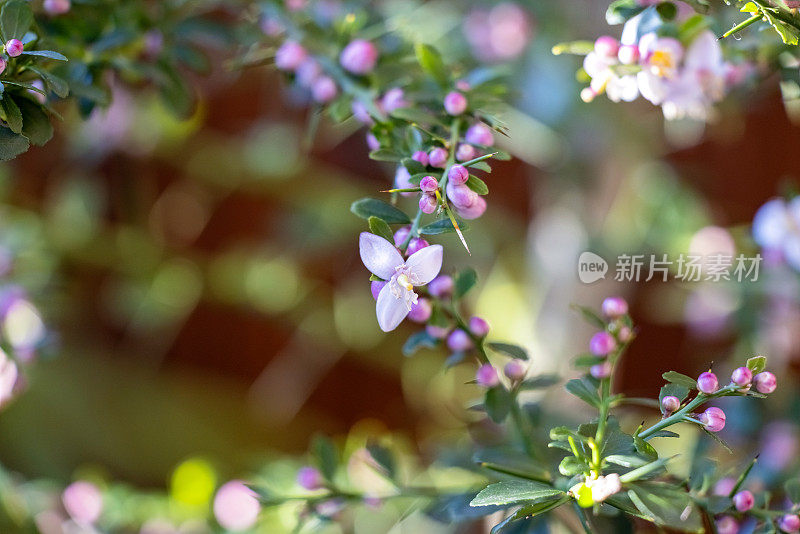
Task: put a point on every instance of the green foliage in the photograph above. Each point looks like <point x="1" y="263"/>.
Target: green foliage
<point x="516" y="491"/>
<point x="464" y="281"/>
<point x="372" y="207"/>
<point x="515" y="351"/>
<point x="379" y="227"/>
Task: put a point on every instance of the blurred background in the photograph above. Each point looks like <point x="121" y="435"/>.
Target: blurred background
<point x="208" y="307"/>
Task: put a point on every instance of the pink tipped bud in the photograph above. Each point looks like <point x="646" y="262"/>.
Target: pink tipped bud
<point x="670" y="404"/>
<point x="466" y="152"/>
<point x="393" y="99"/>
<point x="765" y="382"/>
<point x="455" y="103"/>
<point x="441" y="286"/>
<point x="459" y="341"/>
<point x="458" y="174"/>
<point x="744" y="500"/>
<point x="614" y="307"/>
<point x="309" y="71"/>
<point x="628" y="54"/>
<point x="479" y="134"/>
<point x="707" y="382"/>
<point x="415" y="245"/>
<point x="436" y="332"/>
<point x="602" y="344"/>
<point x="438" y="157"/>
<point x="742" y="376"/>
<point x="427" y="203"/>
<point x="724" y="486"/>
<point x="463" y="85"/>
<point x="375" y="287"/>
<point x="790" y="523"/>
<point x="624" y="334"/>
<point x="601" y="370"/>
<point x="421" y="311"/>
<point x="478" y="326"/>
<point x="309" y="478"/>
<point x="713" y="419"/>
<point x="727" y="525"/>
<point x="486" y="376"/>
<point x="359" y="57"/>
<point x="516" y="370"/>
<point x="460" y="195"/>
<point x="372" y="142"/>
<point x="429" y="184"/>
<point x="289" y="56"/>
<point x="421" y="157"/>
<point x="400" y="235"/>
<point x="588" y="94"/>
<point x="324" y="89"/>
<point x="606" y="46"/>
<point x="56" y="7"/>
<point x="14" y="47"/>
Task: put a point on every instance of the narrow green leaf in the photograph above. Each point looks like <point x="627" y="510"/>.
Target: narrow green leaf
<point x="477" y="185"/>
<point x="515" y="351"/>
<point x="417" y="341"/>
<point x="369" y="207"/>
<point x="12" y="113"/>
<point x="326" y="456"/>
<point x="51" y="54"/>
<point x="465" y="280"/>
<point x="516" y="491"/>
<point x="431" y="62"/>
<point x="590" y="316"/>
<point x="497" y="403"/>
<point x="680" y="379"/>
<point x="384" y="154"/>
<point x="442" y="226"/>
<point x="52" y="82"/>
<point x="379" y="227"/>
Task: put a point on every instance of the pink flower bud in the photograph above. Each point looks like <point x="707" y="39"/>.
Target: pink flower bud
<point x="727" y="525"/>
<point x="14" y="47"/>
<point x="296" y="5"/>
<point x="309" y="478"/>
<point x="83" y="502"/>
<point x="588" y="94"/>
<point x="601" y="370"/>
<point x="459" y="341"/>
<point x="486" y="376"/>
<point x="427" y="203"/>
<point x="602" y="344"/>
<point x="458" y="174"/>
<point x="56" y="7"/>
<point x="372" y="142"/>
<point x="438" y="157"/>
<point x="236" y="506"/>
<point x="308" y="72"/>
<point x="463" y="85"/>
<point x="415" y="245"/>
<point x="400" y="235"/>
<point x="421" y="157"/>
<point x="516" y="369"/>
<point x="473" y="211"/>
<point x="707" y="382"/>
<point x="460" y="195"/>
<point x="393" y="99"/>
<point x="724" y="486"/>
<point x="478" y="326"/>
<point x="624" y="334"/>
<point x="743" y="500"/>
<point x="765" y="382"/>
<point x="614" y="307"/>
<point x="713" y="419"/>
<point x="628" y="54"/>
<point x="2" y="65"/>
<point x="455" y="103"/>
<point x="670" y="403"/>
<point x="742" y="376"/>
<point x="289" y="56"/>
<point x="324" y="89"/>
<point x="375" y="287"/>
<point x="421" y="311"/>
<point x="479" y="134"/>
<point x="359" y="57"/>
<point x="360" y="113"/>
<point x="466" y="152"/>
<point x="790" y="523"/>
<point x="429" y="184"/>
<point x="436" y="332"/>
<point x="441" y="286"/>
<point x="606" y="46"/>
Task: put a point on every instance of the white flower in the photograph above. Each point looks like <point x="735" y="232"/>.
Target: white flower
<point x="8" y="377"/>
<point x="606" y="79"/>
<point x="776" y="227"/>
<point x="604" y="487"/>
<point x="397" y="297"/>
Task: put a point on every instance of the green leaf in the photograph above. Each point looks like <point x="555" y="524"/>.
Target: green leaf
<point x="788" y="34"/>
<point x="384" y="458"/>
<point x="176" y="93"/>
<point x="590" y="316"/>
<point x="16" y="18"/>
<point x="673" y="390"/>
<point x="379" y="227"/>
<point x="11" y="144"/>
<point x="36" y="125"/>
<point x="644" y="448"/>
<point x="586" y="360"/>
<point x="531" y="510"/>
<point x="621" y="10"/>
<point x="571" y="466"/>
<point x="584" y="391"/>
<point x="626" y="460"/>
<point x="431" y="62"/>
<point x="511" y="462"/>
<point x="477" y="185"/>
<point x="52" y="82"/>
<point x="417" y="341"/>
<point x="516" y="491"/>
<point x="326" y="456"/>
<point x="757" y="364"/>
<point x="497" y="403"/>
<point x="384" y="154"/>
<point x="481" y="166"/>
<point x="369" y="207"/>
<point x="667" y="11"/>
<point x="540" y="382"/>
<point x="413" y="166"/>
<point x="442" y="226"/>
<point x="414" y="115"/>
<point x="644" y="471"/>
<point x="12" y="113"/>
<point x="664" y="505"/>
<point x="680" y="379"/>
<point x="464" y="281"/>
<point x="792" y="488"/>
<point x="51" y="54"/>
<point x="515" y="351"/>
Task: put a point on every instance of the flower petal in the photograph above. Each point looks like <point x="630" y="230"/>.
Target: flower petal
<point x="390" y="310"/>
<point x="425" y="264"/>
<point x="378" y="255"/>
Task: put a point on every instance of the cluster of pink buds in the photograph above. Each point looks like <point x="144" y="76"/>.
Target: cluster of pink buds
<point x="606" y="342"/>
